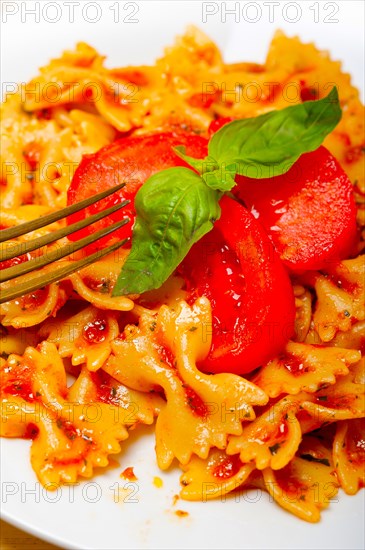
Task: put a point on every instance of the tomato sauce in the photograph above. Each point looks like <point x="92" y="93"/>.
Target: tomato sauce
<point x="196" y="403"/>
<point x="32" y="153"/>
<point x="105" y="391"/>
<point x="167" y="356"/>
<point x="294" y="364"/>
<point x="229" y="467"/>
<point x="128" y="473"/>
<point x="31" y="431"/>
<point x="15" y="261"/>
<point x="96" y="331"/>
<point x="33" y="300"/>
<point x="18" y="381"/>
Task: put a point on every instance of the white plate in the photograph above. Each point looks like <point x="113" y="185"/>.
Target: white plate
<point x="87" y="515"/>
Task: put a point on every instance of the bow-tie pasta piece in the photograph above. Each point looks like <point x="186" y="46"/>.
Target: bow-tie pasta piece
<point x="214" y="477"/>
<point x="72" y="64"/>
<point x="84" y="78"/>
<point x="340" y="298"/>
<point x="273" y="438"/>
<point x="343" y="401"/>
<point x="70" y="439"/>
<point x="328" y="405"/>
<point x="85" y="337"/>
<point x="95" y="283"/>
<point x="303" y="304"/>
<point x="358" y="372"/>
<point x="349" y="454"/>
<point x="131" y="407"/>
<point x="302" y="367"/>
<point x="33" y="308"/>
<point x="352" y="339"/>
<point x="201" y="410"/>
<point x="307" y="484"/>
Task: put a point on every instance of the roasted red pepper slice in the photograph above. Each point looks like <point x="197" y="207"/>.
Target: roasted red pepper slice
<point x="236" y="267"/>
<point x="131" y="160"/>
<point x="309" y="212"/>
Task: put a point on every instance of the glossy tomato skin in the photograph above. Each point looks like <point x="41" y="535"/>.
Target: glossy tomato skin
<point x="309" y="212"/>
<point x="236" y="267"/>
<point x="131" y="160"/>
<point x="218" y="123"/>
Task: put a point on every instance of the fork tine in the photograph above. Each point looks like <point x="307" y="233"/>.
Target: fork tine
<point x="48" y="278"/>
<point x="25" y="247"/>
<point x="46" y="259"/>
<point x="13" y="232"/>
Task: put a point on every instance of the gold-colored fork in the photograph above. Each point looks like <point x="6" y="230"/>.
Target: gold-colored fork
<point x="8" y="251"/>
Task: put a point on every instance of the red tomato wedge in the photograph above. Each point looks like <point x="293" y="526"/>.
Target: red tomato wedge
<point x="236" y="267"/>
<point x="217" y="124"/>
<point x="309" y="212"/>
<point x="131" y="160"/>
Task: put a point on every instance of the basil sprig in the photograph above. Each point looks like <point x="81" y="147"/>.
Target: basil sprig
<point x="174" y="211"/>
<point x="177" y="206"/>
<point x="270" y="144"/>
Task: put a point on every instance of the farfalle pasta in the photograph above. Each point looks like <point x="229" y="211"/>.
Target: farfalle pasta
<point x="295" y="426"/>
<point x="304" y="367"/>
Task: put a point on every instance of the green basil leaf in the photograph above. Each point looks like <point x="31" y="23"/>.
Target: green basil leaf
<point x="197" y="164"/>
<point x="175" y="208"/>
<point x="269" y="144"/>
<point x="221" y="179"/>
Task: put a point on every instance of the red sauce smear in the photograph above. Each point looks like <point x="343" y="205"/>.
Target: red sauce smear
<point x="271" y="91"/>
<point x="73" y="460"/>
<point x="130" y="75"/>
<point x="105" y="391"/>
<point x="307" y="93"/>
<point x="196" y="403"/>
<point x="95" y="332"/>
<point x="167" y="356"/>
<point x="32" y="153"/>
<point x="128" y="473"/>
<point x="274" y="437"/>
<point x="33" y="300"/>
<point x="15" y="261"/>
<point x="288" y="483"/>
<point x="228" y="468"/>
<point x="202" y="101"/>
<point x="31" y="431"/>
<point x="98" y="285"/>
<point x="68" y="429"/>
<point x="336" y="401"/>
<point x="354" y="153"/>
<point x="294" y="364"/>
<point x="44" y="114"/>
<point x="18" y="382"/>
